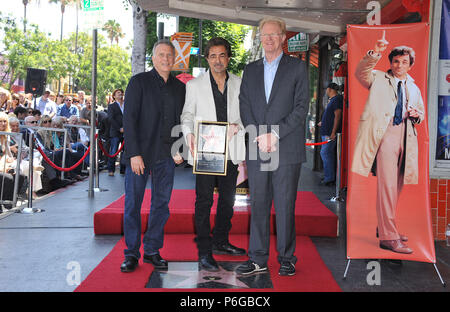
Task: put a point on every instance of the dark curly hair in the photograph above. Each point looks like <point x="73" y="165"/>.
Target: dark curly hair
<point x="218" y="41"/>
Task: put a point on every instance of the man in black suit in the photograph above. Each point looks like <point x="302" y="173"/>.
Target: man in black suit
<point x="153" y="104"/>
<point x="115" y="118"/>
<point x="273" y="110"/>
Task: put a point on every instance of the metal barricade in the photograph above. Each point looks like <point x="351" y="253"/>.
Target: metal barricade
<point x="36" y="128"/>
<point x="88" y="128"/>
<point x="16" y="176"/>
<point x="96" y="155"/>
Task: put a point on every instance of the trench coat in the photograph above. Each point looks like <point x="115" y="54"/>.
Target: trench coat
<point x="378" y="112"/>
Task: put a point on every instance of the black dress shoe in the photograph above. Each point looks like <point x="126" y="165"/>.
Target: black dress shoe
<point x="129" y="264"/>
<point x="208" y="263"/>
<point x="156" y="261"/>
<point x="227" y="249"/>
<point x="329" y="183"/>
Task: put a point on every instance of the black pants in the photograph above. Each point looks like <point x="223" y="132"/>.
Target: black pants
<point x="7" y="184"/>
<point x="204" y="188"/>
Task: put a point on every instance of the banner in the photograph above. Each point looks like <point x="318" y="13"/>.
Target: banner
<point x="443" y="131"/>
<point x="182" y="43"/>
<point x="395" y="203"/>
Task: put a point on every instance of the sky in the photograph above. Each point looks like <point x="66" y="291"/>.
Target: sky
<point x="48" y="17"/>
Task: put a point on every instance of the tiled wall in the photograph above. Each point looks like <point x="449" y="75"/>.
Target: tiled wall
<point x="440" y="206"/>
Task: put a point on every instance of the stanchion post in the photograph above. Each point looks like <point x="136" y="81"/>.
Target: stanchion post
<point x="338" y="168"/>
<point x="93" y="109"/>
<point x="30" y="171"/>
<point x="64" y="153"/>
<point x="97" y="177"/>
<point x="29" y="209"/>
<point x="338" y="165"/>
<point x="19" y="158"/>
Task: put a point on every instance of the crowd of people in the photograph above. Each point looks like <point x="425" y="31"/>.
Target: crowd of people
<point x="21" y="113"/>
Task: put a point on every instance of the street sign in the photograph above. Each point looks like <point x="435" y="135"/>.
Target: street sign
<point x="93" y="5"/>
<point x="194" y="50"/>
<point x="298" y="43"/>
<point x="93" y="15"/>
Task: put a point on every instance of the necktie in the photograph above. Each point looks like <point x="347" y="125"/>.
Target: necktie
<point x="398" y="118"/>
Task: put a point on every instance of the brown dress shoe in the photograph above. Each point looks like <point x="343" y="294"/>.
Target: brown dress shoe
<point x="395" y="246"/>
<point x="403" y="238"/>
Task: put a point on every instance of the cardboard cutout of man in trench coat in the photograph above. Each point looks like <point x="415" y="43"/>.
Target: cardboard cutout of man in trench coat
<point x="386" y="143"/>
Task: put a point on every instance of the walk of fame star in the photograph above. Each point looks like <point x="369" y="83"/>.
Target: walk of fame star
<point x="187" y="275"/>
<point x="212" y="143"/>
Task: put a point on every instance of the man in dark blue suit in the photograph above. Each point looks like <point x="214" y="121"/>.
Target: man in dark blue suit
<point x="153" y="104"/>
<point x="115" y="118"/>
<point x="273" y="110"/>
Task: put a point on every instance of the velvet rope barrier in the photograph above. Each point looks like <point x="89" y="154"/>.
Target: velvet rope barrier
<point x="318" y="143"/>
<point x="106" y="153"/>
<point x="59" y="168"/>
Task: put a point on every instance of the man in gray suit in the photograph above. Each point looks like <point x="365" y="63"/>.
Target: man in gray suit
<point x="277" y="106"/>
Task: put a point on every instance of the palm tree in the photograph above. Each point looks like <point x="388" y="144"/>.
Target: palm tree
<point x="25" y="3"/>
<point x="114" y="31"/>
<point x="63" y="9"/>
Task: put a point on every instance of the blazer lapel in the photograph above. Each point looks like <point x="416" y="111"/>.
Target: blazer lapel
<point x="278" y="78"/>
<point x="209" y="97"/>
<point x="259" y="74"/>
<point x="155" y="85"/>
<point x="230" y="95"/>
<point x="392" y="82"/>
<point x="120" y="111"/>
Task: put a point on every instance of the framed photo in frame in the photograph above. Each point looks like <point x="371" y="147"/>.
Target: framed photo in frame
<point x="211" y="148"/>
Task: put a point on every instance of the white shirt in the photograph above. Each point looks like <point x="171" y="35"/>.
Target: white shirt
<point x="50" y="108"/>
<point x="121" y="106"/>
<point x="41" y="103"/>
<point x="270" y="70"/>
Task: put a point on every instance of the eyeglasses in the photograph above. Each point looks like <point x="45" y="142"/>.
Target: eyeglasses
<point x="272" y="35"/>
<point x="68" y="100"/>
<point x="34" y="122"/>
<point x="45" y="121"/>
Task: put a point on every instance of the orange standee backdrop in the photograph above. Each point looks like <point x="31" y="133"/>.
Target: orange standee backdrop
<point x="412" y="217"/>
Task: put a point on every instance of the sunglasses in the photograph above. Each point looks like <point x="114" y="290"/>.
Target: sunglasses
<point x="34" y="122"/>
<point x="45" y="121"/>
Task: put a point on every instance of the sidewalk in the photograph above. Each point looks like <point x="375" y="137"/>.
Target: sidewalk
<point x="38" y="252"/>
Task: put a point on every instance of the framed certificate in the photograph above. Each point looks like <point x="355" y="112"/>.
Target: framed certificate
<point x="211" y="148"/>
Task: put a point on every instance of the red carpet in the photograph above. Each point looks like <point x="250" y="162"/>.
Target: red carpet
<point x="312" y="274"/>
<point x="312" y="218"/>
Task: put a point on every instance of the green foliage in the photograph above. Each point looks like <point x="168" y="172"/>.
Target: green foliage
<point x="113" y="66"/>
<point x="35" y="49"/>
<point x="234" y="33"/>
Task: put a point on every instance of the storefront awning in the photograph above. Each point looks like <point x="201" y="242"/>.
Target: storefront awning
<point x="325" y="17"/>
